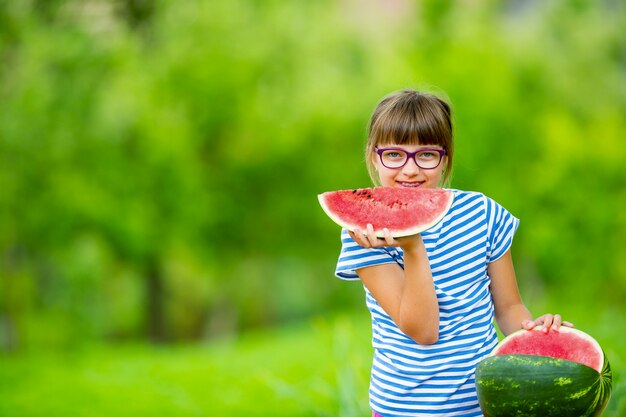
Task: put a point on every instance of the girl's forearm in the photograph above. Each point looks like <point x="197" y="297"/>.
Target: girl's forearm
<point x="511" y="319"/>
<point x="418" y="309"/>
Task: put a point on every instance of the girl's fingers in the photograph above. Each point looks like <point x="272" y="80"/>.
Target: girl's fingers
<point x="371" y="236"/>
<point x="389" y="240"/>
<point x="359" y="238"/>
<point x="548" y="321"/>
<point x="368" y="238"/>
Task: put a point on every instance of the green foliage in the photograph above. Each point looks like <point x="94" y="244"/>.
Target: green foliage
<point x="159" y="160"/>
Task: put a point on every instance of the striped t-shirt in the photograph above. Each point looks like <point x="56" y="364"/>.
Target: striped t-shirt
<point x="409" y="379"/>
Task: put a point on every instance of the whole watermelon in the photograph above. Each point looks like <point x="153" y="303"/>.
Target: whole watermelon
<point x="566" y="374"/>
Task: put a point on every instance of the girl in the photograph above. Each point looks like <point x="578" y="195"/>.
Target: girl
<point x="432" y="296"/>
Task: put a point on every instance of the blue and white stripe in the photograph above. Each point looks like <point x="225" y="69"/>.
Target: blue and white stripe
<point x="409" y="379"/>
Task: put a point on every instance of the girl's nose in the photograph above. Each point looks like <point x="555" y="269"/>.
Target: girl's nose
<point x="410" y="168"/>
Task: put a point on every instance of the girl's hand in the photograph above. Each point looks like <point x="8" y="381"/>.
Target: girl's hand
<point x="368" y="239"/>
<point x="548" y="321"/>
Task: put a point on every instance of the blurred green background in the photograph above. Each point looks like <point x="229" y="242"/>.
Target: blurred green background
<point x="162" y="251"/>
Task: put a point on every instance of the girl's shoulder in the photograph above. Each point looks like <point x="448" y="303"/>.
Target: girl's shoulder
<point x="475" y="200"/>
<point x="463" y="197"/>
<point x="458" y="192"/>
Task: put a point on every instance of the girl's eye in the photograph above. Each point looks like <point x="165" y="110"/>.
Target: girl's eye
<point x="394" y="155"/>
<point x="427" y="155"/>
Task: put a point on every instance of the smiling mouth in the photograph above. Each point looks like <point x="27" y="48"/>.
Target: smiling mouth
<point x="409" y="184"/>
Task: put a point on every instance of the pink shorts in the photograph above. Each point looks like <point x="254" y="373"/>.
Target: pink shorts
<point x="375" y="414"/>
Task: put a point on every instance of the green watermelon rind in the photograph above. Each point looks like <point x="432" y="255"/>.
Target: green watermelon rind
<point x="379" y="233"/>
<point x="529" y="385"/>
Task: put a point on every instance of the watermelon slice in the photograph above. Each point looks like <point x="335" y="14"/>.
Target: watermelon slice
<point x="404" y="211"/>
<point x="534" y="373"/>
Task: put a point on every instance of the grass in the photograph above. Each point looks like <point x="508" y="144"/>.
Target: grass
<point x="317" y="368"/>
<point x="308" y="370"/>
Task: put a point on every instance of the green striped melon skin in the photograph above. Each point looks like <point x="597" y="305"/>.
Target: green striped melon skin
<point x="527" y="386"/>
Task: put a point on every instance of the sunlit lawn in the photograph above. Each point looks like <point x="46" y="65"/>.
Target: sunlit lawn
<point x="318" y="368"/>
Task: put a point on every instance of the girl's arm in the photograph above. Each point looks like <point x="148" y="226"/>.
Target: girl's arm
<point x="511" y="313"/>
<point x="408" y="295"/>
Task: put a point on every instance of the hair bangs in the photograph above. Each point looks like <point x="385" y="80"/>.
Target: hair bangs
<point x="410" y="123"/>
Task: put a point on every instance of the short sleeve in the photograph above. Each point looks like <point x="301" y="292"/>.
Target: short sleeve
<point x="353" y="256"/>
<point x="502" y="226"/>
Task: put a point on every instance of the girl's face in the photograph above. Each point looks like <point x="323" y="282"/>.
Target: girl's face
<point x="409" y="175"/>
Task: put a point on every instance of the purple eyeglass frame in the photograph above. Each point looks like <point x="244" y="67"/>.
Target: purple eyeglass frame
<point x="410" y="155"/>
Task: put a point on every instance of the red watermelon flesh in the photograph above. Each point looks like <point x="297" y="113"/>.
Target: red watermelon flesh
<point x="404" y="211"/>
<point x="565" y="343"/>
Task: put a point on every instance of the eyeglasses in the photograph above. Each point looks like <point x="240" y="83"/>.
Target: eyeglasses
<point x="425" y="158"/>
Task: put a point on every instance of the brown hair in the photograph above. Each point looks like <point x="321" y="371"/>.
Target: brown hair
<point x="410" y="117"/>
